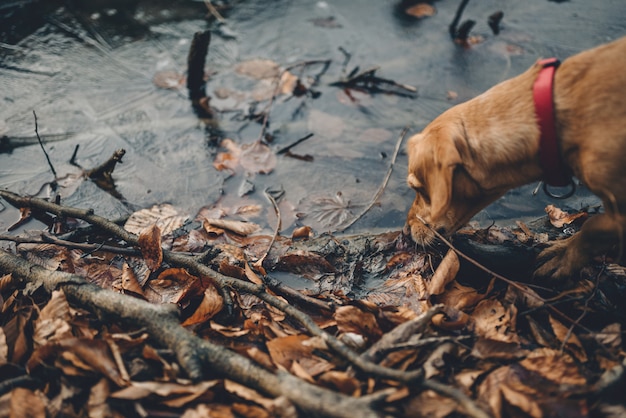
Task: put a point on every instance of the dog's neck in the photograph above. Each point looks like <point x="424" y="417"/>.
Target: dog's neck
<point x="503" y="139"/>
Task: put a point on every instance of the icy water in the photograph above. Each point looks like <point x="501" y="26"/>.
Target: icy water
<point x="89" y="76"/>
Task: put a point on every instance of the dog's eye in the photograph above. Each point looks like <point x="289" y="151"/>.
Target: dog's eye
<point x="422" y="193"/>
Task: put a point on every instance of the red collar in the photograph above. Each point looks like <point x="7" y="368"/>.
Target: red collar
<point x="555" y="172"/>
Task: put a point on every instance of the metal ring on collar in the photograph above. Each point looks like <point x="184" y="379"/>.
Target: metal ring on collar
<point x="569" y="193"/>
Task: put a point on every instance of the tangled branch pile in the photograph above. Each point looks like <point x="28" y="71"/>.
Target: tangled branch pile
<point x="183" y="319"/>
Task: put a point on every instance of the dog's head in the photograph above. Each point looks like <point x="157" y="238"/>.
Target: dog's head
<point x="447" y="196"/>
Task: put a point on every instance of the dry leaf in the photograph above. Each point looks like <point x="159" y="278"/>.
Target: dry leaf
<point x="288" y="82"/>
<point x="170" y="286"/>
<point x="555" y="366"/>
<point x="26" y="403"/>
<point x="238" y="227"/>
<point x="150" y="246"/>
<point x="130" y="284"/>
<point x="212" y="303"/>
<point x="165" y="216"/>
<point x="421" y="10"/>
<point x="559" y="218"/>
<point x="52" y="324"/>
<point x="445" y="273"/>
<point x="493" y="321"/>
<point x="285" y="350"/>
<point x="352" y="319"/>
<point x="302" y="232"/>
<point x="569" y="338"/>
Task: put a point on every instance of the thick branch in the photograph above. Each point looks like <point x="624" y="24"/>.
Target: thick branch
<point x="197" y="356"/>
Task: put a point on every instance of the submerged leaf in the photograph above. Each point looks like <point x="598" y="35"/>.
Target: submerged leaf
<point x="254" y="158"/>
<point x="258" y="69"/>
<point x="329" y="211"/>
<point x="421" y="10"/>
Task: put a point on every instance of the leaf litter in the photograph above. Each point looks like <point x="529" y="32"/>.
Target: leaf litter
<point x="547" y="368"/>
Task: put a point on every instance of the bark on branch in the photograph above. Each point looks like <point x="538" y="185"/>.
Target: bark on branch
<point x="198" y="357"/>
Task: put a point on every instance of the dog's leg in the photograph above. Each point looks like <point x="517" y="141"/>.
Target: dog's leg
<point x="597" y="236"/>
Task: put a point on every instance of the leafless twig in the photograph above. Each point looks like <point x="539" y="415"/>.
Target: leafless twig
<point x="382" y="187"/>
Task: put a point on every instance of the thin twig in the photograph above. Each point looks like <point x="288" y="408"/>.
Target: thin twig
<point x="259" y="262"/>
<point x="382" y="186"/>
<point x="289" y="147"/>
<point x="42" y="147"/>
<point x="214" y="11"/>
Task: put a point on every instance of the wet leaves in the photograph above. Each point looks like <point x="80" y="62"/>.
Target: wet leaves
<point x="421" y="10"/>
<point x="253" y="158"/>
<point x="559" y="218"/>
<point x="499" y="343"/>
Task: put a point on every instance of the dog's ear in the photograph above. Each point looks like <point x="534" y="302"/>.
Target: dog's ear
<point x="446" y="159"/>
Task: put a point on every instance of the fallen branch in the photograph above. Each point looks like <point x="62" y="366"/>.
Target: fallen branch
<point x="195" y="267"/>
<point x="180" y="341"/>
<point x="196" y="356"/>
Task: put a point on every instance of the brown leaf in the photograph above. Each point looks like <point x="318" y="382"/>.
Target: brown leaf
<point x="254" y="158"/>
<point x="341" y="381"/>
<point x="6" y="283"/>
<point x="302" y="232"/>
<point x="421" y="10"/>
<point x="559" y="218"/>
<point x="461" y="297"/>
<point x="177" y="394"/>
<point x="352" y="319"/>
<point x="288" y="82"/>
<point x="212" y="303"/>
<point x="257" y="158"/>
<point x="258" y="69"/>
<point x="568" y="338"/>
<point x="165" y="216"/>
<point x="130" y="284"/>
<point x="305" y="263"/>
<point x="52" y="324"/>
<point x="168" y="80"/>
<point x="4" y="348"/>
<point x="150" y="246"/>
<point x="252" y="276"/>
<point x="97" y="404"/>
<point x="493" y="321"/>
<point x="238" y="227"/>
<point x="285" y="350"/>
<point x="554" y="366"/>
<point x="26" y="403"/>
<point x="445" y="273"/>
<point x="169" y="286"/>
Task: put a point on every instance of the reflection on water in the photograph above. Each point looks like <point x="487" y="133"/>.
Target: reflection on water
<point x="88" y="73"/>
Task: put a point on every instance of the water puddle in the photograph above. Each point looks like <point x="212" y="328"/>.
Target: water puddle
<point x="111" y="77"/>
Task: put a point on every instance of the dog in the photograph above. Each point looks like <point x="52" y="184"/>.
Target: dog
<point x="476" y="151"/>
